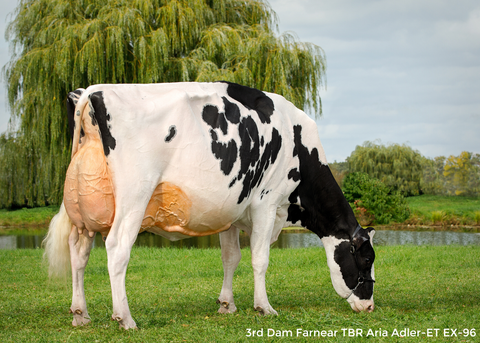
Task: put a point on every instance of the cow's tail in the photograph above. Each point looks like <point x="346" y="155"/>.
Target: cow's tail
<point x="57" y="251"/>
<point x="80" y="101"/>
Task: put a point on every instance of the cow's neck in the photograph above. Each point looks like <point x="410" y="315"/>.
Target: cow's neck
<point x="323" y="208"/>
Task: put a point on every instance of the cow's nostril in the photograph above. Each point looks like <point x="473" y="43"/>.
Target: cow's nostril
<point x="370" y="308"/>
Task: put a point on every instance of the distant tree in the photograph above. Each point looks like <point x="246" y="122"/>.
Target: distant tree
<point x="433" y="181"/>
<point x="462" y="173"/>
<point x="399" y="167"/>
<point x="62" y="45"/>
<point x="474" y="177"/>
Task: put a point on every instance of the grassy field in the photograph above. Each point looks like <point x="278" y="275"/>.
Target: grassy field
<point x="444" y="210"/>
<point x="172" y="295"/>
<point x="39" y="216"/>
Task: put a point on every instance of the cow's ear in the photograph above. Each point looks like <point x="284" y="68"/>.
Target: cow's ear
<point x="358" y="240"/>
<point x="370" y="231"/>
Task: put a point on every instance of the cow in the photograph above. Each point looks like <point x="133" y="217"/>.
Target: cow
<point x="195" y="159"/>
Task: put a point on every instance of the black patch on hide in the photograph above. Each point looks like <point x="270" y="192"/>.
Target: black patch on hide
<point x="226" y="153"/>
<point x="215" y="119"/>
<point x="172" y="133"/>
<point x="101" y="117"/>
<point x="326" y="211"/>
<point x="254" y="153"/>
<point x="252" y="99"/>
<point x="253" y="166"/>
<point x="294" y="174"/>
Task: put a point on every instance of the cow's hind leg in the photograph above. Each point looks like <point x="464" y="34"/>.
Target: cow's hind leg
<point x="80" y="246"/>
<point x="119" y="245"/>
<point x="263" y="224"/>
<point x="231" y="255"/>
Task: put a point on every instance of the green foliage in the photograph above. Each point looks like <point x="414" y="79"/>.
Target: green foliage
<point x="463" y="173"/>
<point x="398" y="166"/>
<point x="432" y="179"/>
<point x="60" y="45"/>
<point x="372" y="199"/>
<point x="455" y="175"/>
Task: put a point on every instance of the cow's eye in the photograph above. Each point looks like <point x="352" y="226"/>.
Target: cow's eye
<point x="367" y="260"/>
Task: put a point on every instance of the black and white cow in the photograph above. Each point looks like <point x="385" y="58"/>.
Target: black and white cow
<point x="193" y="159"/>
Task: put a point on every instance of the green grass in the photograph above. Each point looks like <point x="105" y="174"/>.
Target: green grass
<point x="39" y="216"/>
<point x="444" y="210"/>
<point x="172" y="295"/>
<point x="458" y="205"/>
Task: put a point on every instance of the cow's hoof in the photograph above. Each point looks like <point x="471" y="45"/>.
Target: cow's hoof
<point x="266" y="311"/>
<point x="226" y="307"/>
<point x="79" y="320"/>
<point x="127" y="323"/>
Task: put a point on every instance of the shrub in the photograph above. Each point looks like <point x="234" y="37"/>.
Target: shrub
<point x="372" y="200"/>
<point x="477" y="217"/>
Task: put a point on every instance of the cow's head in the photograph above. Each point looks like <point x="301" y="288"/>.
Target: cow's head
<point x="351" y="267"/>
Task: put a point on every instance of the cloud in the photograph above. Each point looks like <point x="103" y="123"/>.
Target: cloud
<point x="400" y="71"/>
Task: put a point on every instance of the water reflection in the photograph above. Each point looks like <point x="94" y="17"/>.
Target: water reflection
<point x="285" y="240"/>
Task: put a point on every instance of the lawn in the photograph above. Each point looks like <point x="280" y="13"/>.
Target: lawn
<point x="39" y="216"/>
<point x="172" y="295"/>
<point x="444" y="210"/>
<point x="458" y="205"/>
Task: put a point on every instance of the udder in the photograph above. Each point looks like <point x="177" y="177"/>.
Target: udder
<point x="168" y="213"/>
<point x="88" y="193"/>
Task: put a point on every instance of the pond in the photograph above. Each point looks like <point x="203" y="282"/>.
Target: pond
<point x="287" y="239"/>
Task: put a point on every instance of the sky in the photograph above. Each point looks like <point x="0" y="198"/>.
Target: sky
<point x="405" y="72"/>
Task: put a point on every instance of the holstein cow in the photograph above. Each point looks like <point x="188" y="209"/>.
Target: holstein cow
<point x="194" y="159"/>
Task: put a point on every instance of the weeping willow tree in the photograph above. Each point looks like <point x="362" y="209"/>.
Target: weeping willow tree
<point x="399" y="167"/>
<point x="61" y="45"/>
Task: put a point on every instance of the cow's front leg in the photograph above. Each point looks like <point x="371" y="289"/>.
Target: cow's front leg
<point x="231" y="256"/>
<point x="80" y="246"/>
<point x="260" y="246"/>
<point x="119" y="244"/>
